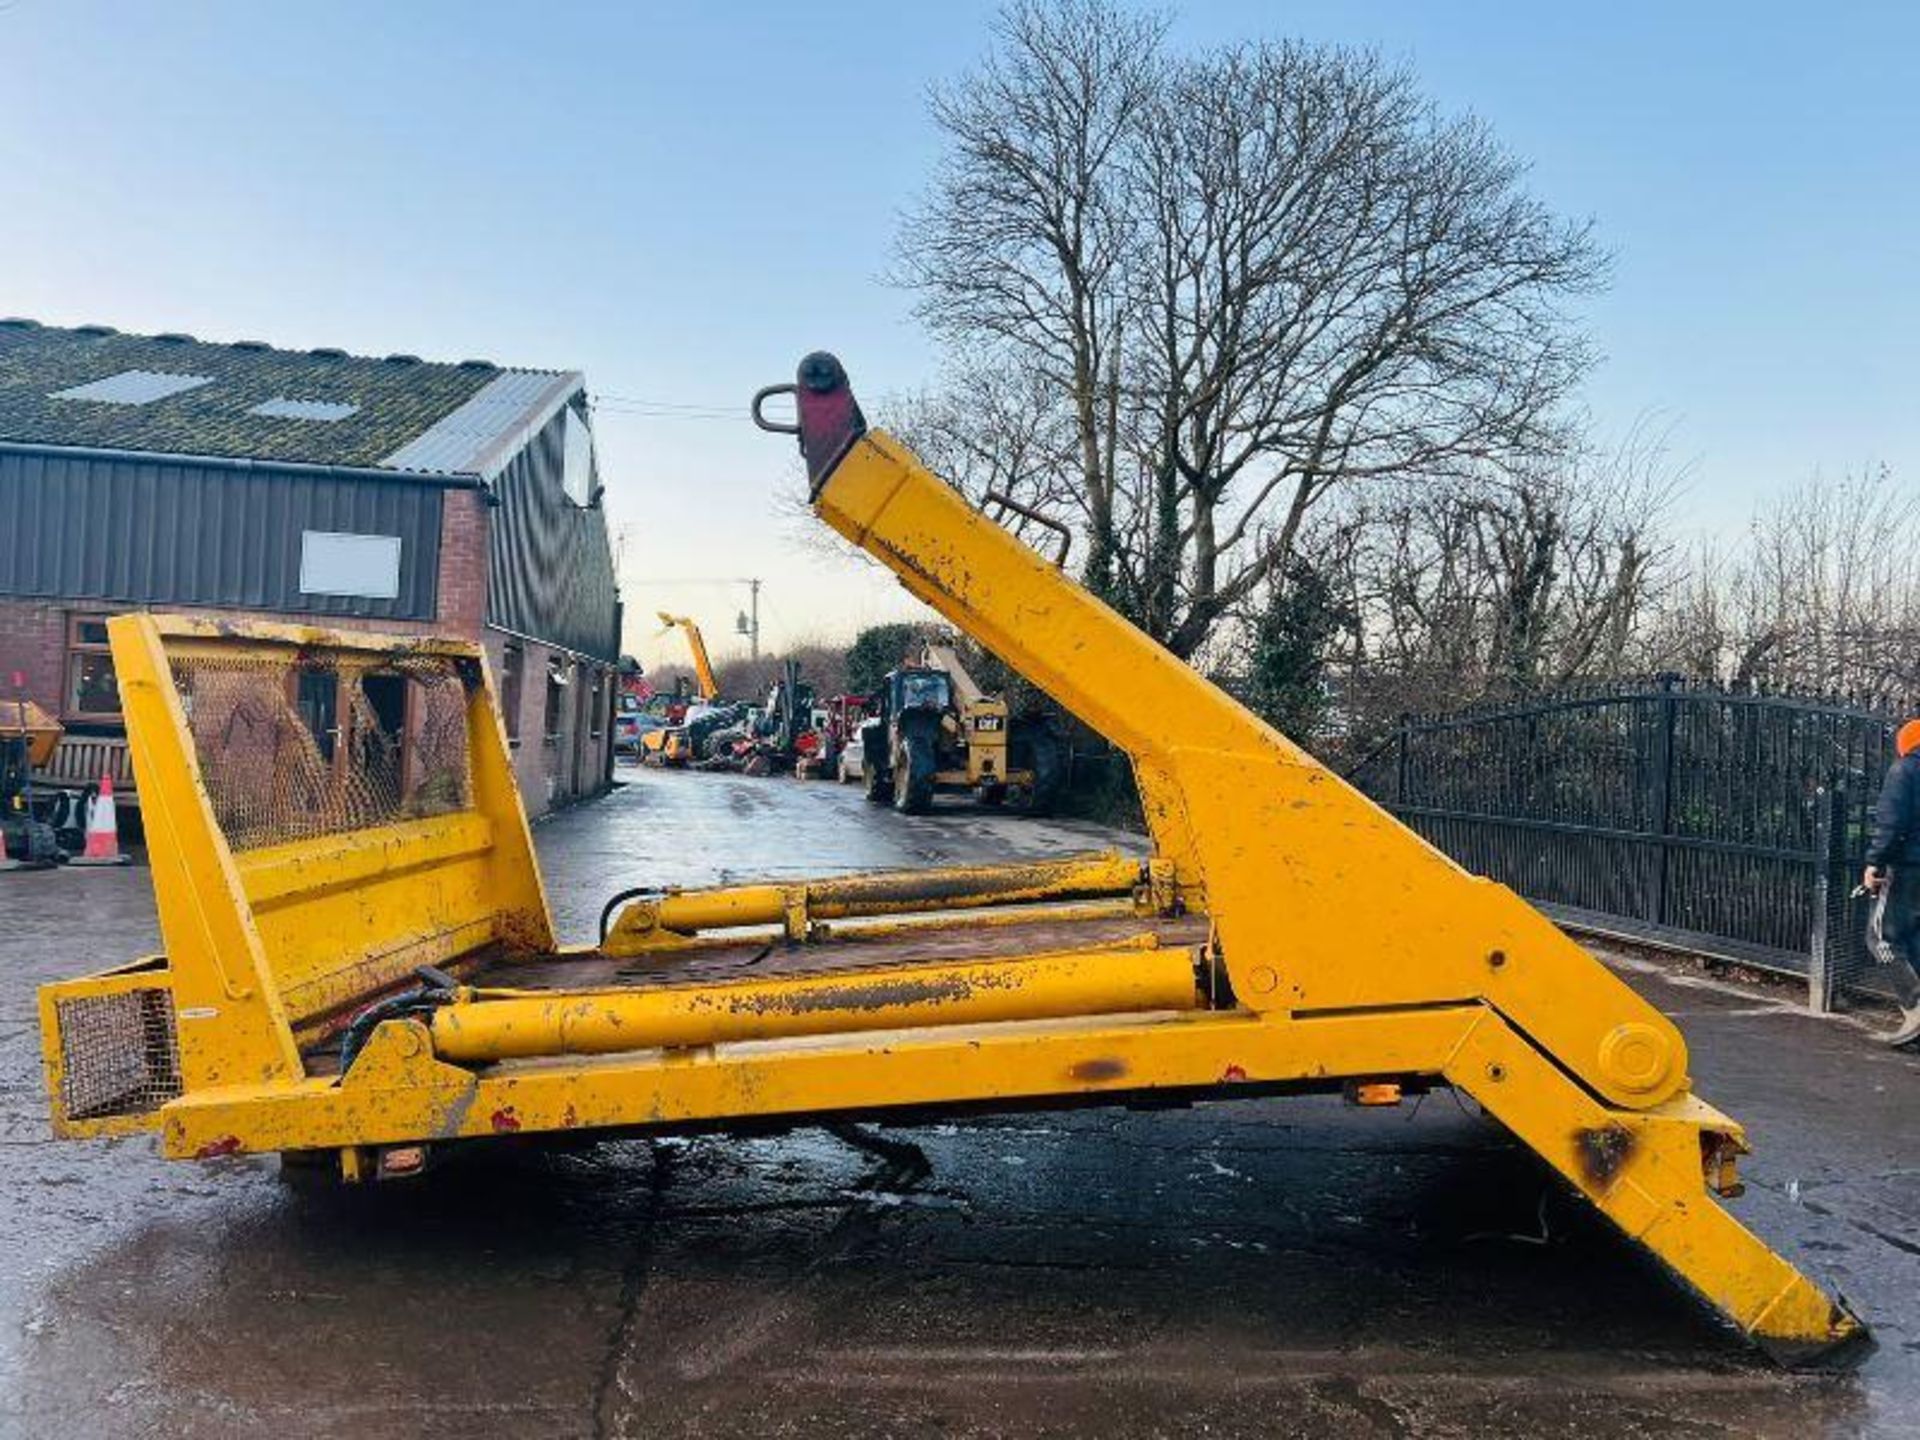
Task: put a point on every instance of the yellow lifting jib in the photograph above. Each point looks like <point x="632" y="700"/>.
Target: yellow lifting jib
<point x="1292" y="862"/>
<point x="359" y="957"/>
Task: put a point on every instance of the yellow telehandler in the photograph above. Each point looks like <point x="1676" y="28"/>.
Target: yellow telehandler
<point x="360" y="964"/>
<point x="673" y="744"/>
<point x="934" y="729"/>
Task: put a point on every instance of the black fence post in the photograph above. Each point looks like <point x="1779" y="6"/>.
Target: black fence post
<point x="1667" y="704"/>
<point x="1400" y="768"/>
<point x="1829" y="931"/>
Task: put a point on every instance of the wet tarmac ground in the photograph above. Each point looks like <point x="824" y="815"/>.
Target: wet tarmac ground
<point x="1286" y="1267"/>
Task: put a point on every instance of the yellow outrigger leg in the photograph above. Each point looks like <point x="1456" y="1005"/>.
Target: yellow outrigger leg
<point x="360" y="962"/>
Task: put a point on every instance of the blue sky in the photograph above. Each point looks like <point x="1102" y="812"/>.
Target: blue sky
<point x="681" y="199"/>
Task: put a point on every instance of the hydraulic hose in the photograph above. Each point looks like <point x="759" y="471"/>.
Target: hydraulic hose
<point x="436" y="989"/>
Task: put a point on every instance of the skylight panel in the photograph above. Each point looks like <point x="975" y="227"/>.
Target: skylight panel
<point x="283" y="408"/>
<point x="134" y="387"/>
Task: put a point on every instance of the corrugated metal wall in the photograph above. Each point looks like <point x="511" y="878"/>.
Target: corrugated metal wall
<point x="550" y="564"/>
<point x="172" y="532"/>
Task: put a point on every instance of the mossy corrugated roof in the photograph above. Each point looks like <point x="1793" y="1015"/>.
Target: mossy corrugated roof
<point x="396" y="399"/>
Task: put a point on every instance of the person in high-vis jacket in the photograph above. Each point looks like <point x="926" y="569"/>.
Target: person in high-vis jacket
<point x="1893" y="879"/>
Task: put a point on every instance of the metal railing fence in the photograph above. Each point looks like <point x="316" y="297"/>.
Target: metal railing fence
<point x="1730" y="823"/>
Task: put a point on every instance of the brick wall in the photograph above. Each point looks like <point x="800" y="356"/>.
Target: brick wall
<point x="33" y="637"/>
<point x="556" y="769"/>
<point x="463" y="563"/>
<point x="551" y="771"/>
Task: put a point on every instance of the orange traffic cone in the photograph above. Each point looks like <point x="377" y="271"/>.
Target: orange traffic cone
<point x="103" y="830"/>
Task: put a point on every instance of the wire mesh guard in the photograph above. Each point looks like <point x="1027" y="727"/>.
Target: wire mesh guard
<point x="118" y="1055"/>
<point x="300" y="745"/>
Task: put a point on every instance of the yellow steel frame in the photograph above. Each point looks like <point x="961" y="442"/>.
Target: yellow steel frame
<point x="1323" y="901"/>
<point x="1641" y="1168"/>
<point x="1339" y="946"/>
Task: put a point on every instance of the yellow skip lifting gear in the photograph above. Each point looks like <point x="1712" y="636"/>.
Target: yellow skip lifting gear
<point x="359" y="959"/>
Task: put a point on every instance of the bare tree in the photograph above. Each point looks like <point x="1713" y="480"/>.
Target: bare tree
<point x="1345" y="287"/>
<point x="1494" y="585"/>
<point x="994" y="432"/>
<point x="1820" y="595"/>
<point x="1019" y="251"/>
<point x="1251" y="278"/>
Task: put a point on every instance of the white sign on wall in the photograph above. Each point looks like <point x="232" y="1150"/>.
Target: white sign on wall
<point x="367" y="566"/>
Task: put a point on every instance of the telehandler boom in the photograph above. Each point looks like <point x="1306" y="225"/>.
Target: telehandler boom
<point x="360" y="962"/>
<point x="674" y="744"/>
<point x="708" y="688"/>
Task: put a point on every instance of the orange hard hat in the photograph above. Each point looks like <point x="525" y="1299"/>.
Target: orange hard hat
<point x="1907" y="738"/>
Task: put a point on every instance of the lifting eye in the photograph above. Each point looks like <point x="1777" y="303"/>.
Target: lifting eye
<point x="778" y="427"/>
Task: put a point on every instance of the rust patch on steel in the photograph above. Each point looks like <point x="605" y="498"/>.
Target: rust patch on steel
<point x="214" y="1149"/>
<point x="1096" y="1071"/>
<point x="886" y="996"/>
<point x="966" y="883"/>
<point x="1602" y="1152"/>
<point x="504" y="1121"/>
<point x="936" y="886"/>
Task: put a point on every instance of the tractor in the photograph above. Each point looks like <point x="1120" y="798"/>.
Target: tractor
<point x="933" y="729"/>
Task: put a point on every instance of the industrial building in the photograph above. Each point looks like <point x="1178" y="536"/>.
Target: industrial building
<point x="167" y="473"/>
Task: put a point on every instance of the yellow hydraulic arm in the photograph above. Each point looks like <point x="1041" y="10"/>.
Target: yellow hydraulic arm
<point x="1323" y="902"/>
<point x="702" y="666"/>
<point x="1325" y="908"/>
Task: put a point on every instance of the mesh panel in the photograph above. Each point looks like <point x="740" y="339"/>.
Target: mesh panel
<point x="294" y="746"/>
<point x="118" y="1054"/>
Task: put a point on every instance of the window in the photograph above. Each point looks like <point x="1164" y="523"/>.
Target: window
<point x="387" y="699"/>
<point x="391" y="746"/>
<point x="386" y="749"/>
<point x="576" y="475"/>
<point x="556" y="691"/>
<point x="332" y="563"/>
<point x="923" y="689"/>
<point x="596" y="706"/>
<point x="316" y="696"/>
<point x="513" y="669"/>
<point x="92" y="691"/>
